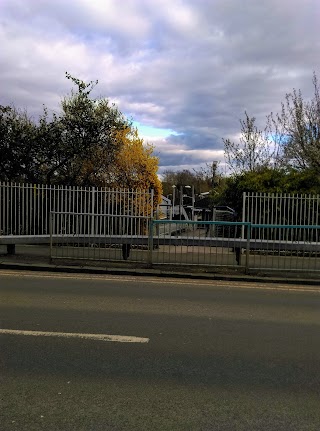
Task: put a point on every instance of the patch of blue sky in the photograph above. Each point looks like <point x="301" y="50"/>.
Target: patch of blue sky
<point x="153" y="132"/>
<point x="279" y="138"/>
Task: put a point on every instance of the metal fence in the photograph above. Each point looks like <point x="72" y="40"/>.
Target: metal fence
<point x="25" y="208"/>
<point x="108" y="224"/>
<point x="199" y="243"/>
<point x="221" y="244"/>
<point x="94" y="236"/>
<point x="192" y="243"/>
<point x="171" y="242"/>
<point x="282" y="209"/>
<point x="297" y="250"/>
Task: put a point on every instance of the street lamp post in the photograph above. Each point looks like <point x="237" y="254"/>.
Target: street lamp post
<point x="181" y="201"/>
<point x="192" y="200"/>
<point x="173" y="200"/>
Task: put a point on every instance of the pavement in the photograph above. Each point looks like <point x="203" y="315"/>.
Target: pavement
<point x="37" y="258"/>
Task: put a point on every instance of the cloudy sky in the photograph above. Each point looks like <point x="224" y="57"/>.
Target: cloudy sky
<point x="184" y="70"/>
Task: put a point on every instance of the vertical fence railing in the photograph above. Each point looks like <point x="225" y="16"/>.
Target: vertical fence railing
<point x="281" y="209"/>
<point x="278" y="231"/>
<point x="200" y="243"/>
<point x="296" y="249"/>
<point x="25" y="208"/>
<point x="190" y="242"/>
<point x="94" y="242"/>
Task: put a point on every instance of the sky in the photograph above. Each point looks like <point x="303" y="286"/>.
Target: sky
<point x="184" y="71"/>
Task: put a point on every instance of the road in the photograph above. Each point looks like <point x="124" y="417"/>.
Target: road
<point x="209" y="355"/>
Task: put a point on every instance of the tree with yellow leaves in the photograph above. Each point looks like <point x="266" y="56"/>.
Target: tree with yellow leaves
<point x="135" y="165"/>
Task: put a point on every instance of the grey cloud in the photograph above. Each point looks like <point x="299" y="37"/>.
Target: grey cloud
<point x="196" y="141"/>
<point x="192" y="67"/>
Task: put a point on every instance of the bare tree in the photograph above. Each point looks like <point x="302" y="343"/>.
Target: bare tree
<point x="297" y="129"/>
<point x="252" y="152"/>
<point x="202" y="179"/>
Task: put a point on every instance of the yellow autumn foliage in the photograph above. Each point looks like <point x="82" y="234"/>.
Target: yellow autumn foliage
<point x="136" y="165"/>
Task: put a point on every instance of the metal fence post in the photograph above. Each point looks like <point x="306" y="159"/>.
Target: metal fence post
<point x="150" y="241"/>
<point x="93" y="191"/>
<point x="243" y="213"/>
<point x="247" y="269"/>
<point x="50" y="230"/>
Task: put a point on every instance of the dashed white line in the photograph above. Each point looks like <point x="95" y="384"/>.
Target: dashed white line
<point x="99" y="337"/>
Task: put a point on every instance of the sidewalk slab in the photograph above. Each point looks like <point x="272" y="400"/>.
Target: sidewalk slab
<point x="37" y="258"/>
<point x="151" y="272"/>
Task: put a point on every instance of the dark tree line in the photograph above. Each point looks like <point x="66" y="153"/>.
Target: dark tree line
<point x="57" y="149"/>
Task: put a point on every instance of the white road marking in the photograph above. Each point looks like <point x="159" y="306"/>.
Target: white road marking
<point x="99" y="337"/>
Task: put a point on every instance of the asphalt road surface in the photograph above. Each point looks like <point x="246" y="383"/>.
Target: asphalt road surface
<point x="171" y="354"/>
